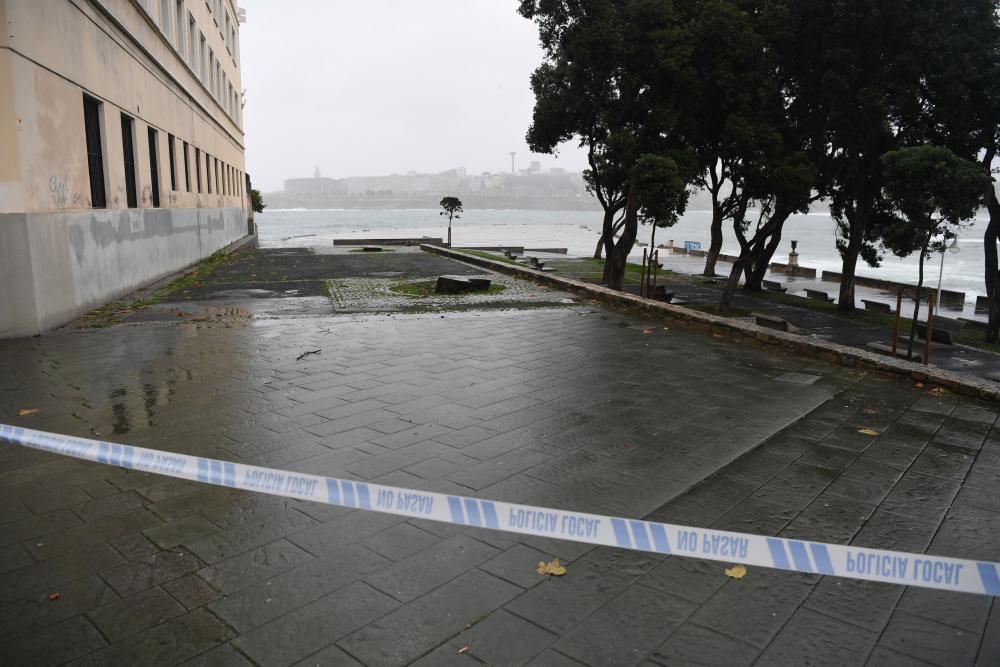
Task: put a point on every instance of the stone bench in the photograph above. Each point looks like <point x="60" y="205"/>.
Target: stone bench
<point x="819" y="295"/>
<point x="509" y="254"/>
<point x="460" y="284"/>
<point x="945" y="330"/>
<point x="876" y="306"/>
<point x="882" y="348"/>
<point x="773" y="322"/>
<point x="662" y="294"/>
<point x="534" y="263"/>
<point x="773" y="286"/>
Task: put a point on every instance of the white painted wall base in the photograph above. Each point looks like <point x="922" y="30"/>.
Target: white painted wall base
<point x="56" y="266"/>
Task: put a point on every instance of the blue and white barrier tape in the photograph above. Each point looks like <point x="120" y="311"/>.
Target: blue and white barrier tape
<point x="939" y="572"/>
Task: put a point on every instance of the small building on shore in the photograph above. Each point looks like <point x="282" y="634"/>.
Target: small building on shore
<point x="121" y="149"/>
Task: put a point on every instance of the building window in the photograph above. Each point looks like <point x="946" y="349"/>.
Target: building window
<point x="95" y="151"/>
<point x="201" y="59"/>
<point x="192" y="41"/>
<point x="197" y="169"/>
<point x="179" y="25"/>
<point x="187" y="169"/>
<point x="208" y="173"/>
<point x="165" y="22"/>
<point x="154" y="167"/>
<point x="128" y="152"/>
<point x="218" y="189"/>
<point x="170" y="162"/>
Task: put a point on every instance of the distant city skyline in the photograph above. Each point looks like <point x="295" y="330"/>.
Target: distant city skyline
<point x="386" y="87"/>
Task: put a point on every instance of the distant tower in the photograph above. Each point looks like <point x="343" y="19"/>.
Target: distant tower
<point x="316" y="173"/>
<point x="512" y="154"/>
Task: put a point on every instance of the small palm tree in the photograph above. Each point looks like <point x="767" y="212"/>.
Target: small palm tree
<point x="452" y="207"/>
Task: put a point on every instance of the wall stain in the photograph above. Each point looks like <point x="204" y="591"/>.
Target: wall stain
<point x="59" y="190"/>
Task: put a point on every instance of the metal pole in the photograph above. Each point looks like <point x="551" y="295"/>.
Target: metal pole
<point x="642" y="274"/>
<point x="899" y="308"/>
<point x="930" y="330"/>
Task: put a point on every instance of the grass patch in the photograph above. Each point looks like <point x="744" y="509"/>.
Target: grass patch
<point x="425" y="288"/>
<point x="489" y="255"/>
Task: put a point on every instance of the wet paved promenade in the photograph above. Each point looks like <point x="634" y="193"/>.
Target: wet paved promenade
<point x="572" y="407"/>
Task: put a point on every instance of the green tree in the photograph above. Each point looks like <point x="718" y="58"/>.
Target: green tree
<point x="452" y="207"/>
<point x="929" y="191"/>
<point x="594" y="87"/>
<point x="257" y="201"/>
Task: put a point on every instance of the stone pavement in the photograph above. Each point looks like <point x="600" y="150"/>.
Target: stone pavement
<point x="570" y="407"/>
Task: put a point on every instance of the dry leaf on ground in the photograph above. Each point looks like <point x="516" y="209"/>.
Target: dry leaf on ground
<point x="552" y="568"/>
<point x="937" y="391"/>
<point x="463" y="649"/>
<point x="736" y="571"/>
<point x="26" y="411"/>
<point x="868" y="431"/>
<point x="919" y="385"/>
<point x="870" y="411"/>
<point x="54" y="596"/>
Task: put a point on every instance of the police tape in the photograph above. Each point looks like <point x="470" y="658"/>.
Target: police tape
<point x="909" y="569"/>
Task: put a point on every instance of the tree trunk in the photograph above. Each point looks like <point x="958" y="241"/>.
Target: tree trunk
<point x="845" y="301"/>
<point x="715" y="245"/>
<point x="614" y="265"/>
<point x="601" y="242"/>
<point x="916" y="302"/>
<point x="755" y="280"/>
<point x="741" y="264"/>
<point x="990" y="239"/>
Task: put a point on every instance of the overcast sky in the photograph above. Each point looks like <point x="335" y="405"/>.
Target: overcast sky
<point x="387" y="86"/>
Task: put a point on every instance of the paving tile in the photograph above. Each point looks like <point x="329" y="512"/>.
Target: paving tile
<point x="246" y="569"/>
<point x="54" y="645"/>
<point x="135" y="613"/>
<point x="175" y="641"/>
<point x="755" y="608"/>
<point x="150" y="571"/>
<point x="414" y="629"/>
<point x="191" y="591"/>
<point x="503" y="639"/>
<point x="315" y="625"/>
<point x="51" y="574"/>
<point x="627" y="628"/>
<point x="399" y="541"/>
<point x="331" y="656"/>
<point x="422" y="572"/>
<point x="929" y="640"/>
<point x="694" y="644"/>
<point x="186" y="529"/>
<point x="290" y="590"/>
<point x="92" y="532"/>
<point x="39" y="611"/>
<point x="246" y="536"/>
<point x="814" y="639"/>
<point x="223" y="655"/>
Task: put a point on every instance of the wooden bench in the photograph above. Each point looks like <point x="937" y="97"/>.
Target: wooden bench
<point x="773" y="322"/>
<point x="773" y="286"/>
<point x="819" y="295"/>
<point x="876" y="306"/>
<point x="945" y="330"/>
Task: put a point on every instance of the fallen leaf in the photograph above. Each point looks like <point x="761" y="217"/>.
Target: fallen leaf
<point x="553" y="568"/>
<point x="736" y="571"/>
<point x="870" y="411"/>
<point x="463" y="650"/>
<point x="27" y="411"/>
<point x="919" y="385"/>
<point x="937" y="391"/>
<point x="53" y="596"/>
<point x="646" y="332"/>
<point x="868" y="431"/>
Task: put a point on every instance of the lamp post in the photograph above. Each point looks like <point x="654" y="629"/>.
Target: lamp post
<point x="953" y="249"/>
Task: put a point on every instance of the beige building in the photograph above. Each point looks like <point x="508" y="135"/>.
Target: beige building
<point x="121" y="149"/>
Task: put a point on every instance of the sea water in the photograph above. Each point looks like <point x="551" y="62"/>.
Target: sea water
<point x="578" y="232"/>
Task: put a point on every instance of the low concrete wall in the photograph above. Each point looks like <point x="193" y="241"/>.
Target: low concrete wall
<point x="56" y="266"/>
<point x="403" y="241"/>
<point x="744" y="331"/>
